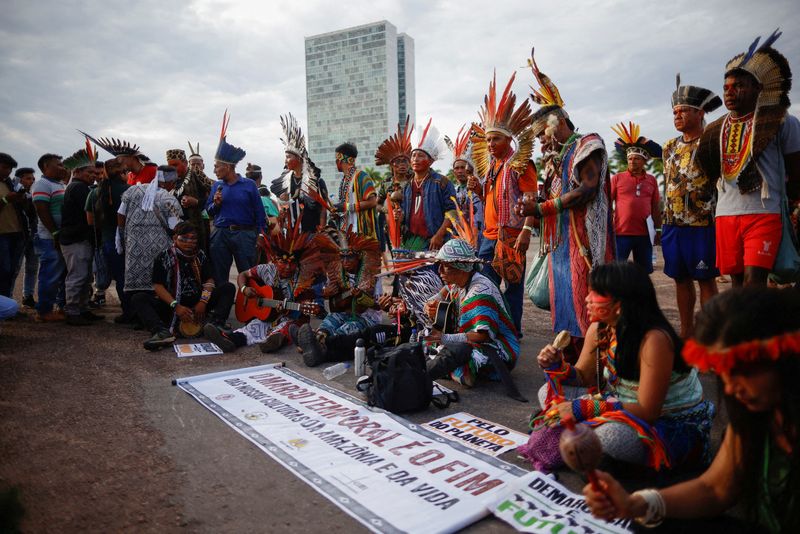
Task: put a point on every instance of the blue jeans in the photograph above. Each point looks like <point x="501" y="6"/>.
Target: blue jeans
<point x="641" y="247"/>
<point x="228" y="246"/>
<point x="8" y="307"/>
<point x="12" y="246"/>
<point x="115" y="264"/>
<point x="513" y="292"/>
<point x="102" y="274"/>
<point x="31" y="269"/>
<point x="344" y="323"/>
<point x="51" y="274"/>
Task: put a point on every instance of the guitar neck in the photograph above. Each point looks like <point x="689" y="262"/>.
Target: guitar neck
<point x="274" y="303"/>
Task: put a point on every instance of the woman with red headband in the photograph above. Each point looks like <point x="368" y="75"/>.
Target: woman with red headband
<point x="751" y="339"/>
<point x="630" y="381"/>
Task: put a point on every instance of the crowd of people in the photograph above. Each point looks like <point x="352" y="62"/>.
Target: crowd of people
<point x="380" y="262"/>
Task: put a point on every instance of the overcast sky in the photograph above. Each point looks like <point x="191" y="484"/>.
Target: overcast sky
<point x="159" y="72"/>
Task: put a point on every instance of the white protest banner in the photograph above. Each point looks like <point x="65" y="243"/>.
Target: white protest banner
<point x="476" y="433"/>
<point x="389" y="474"/>
<point x="537" y="503"/>
<point x="186" y="350"/>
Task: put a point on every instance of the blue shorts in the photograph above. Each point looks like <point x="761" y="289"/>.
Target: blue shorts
<point x="640" y="246"/>
<point x="689" y="252"/>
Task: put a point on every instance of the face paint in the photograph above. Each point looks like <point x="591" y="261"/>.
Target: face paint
<point x="599" y="307"/>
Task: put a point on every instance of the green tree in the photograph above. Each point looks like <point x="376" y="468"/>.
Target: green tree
<point x="372" y="173"/>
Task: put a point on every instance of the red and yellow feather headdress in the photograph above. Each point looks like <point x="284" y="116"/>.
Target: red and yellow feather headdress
<point x="504" y="117"/>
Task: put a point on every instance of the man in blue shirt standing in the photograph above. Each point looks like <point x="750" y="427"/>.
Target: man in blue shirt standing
<point x="235" y="206"/>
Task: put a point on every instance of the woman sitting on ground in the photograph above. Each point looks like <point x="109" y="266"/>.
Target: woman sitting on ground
<point x="751" y="338"/>
<point x="650" y="410"/>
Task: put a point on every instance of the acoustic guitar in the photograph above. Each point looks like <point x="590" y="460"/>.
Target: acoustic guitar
<point x="446" y="321"/>
<point x="263" y="305"/>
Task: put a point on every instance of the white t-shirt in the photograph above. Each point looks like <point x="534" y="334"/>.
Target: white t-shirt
<point x="771" y="167"/>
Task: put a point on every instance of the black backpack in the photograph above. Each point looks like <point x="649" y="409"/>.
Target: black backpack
<point x="400" y="382"/>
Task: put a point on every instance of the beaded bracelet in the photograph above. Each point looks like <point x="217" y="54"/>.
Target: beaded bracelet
<point x="656" y="508"/>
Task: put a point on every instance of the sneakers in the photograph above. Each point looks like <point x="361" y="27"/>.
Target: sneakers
<point x="273" y="342"/>
<point x="78" y="320"/>
<point x="49" y="317"/>
<point x="219" y="337"/>
<point x="91" y="316"/>
<point x="162" y="338"/>
<point x="313" y="351"/>
<point x="28" y="302"/>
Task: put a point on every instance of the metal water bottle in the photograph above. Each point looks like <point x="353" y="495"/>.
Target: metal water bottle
<point x="360" y="367"/>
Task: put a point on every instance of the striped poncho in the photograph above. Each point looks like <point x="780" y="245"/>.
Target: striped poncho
<point x="482" y="308"/>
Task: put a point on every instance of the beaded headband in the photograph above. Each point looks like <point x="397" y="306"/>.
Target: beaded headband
<point x="722" y="361"/>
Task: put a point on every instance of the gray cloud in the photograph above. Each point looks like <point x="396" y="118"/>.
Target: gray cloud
<point x="161" y="72"/>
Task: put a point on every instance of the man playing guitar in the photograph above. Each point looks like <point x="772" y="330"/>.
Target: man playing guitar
<point x="294" y="282"/>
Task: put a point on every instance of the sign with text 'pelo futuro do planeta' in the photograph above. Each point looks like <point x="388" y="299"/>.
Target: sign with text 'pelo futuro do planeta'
<point x="386" y="472"/>
<point x="476" y="433"/>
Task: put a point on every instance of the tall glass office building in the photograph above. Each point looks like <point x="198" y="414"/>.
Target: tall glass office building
<point x="359" y="86"/>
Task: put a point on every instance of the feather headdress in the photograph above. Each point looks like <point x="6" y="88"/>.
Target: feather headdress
<point x="367" y="248"/>
<point x="226" y="152"/>
<point x="293" y="139"/>
<point x="194" y="152"/>
<point x="398" y="145"/>
<point x="694" y="96"/>
<point x="84" y="157"/>
<point x="769" y="67"/>
<point x="500" y="116"/>
<point x="431" y="142"/>
<point x="116" y="147"/>
<point x="462" y="148"/>
<point x="630" y="142"/>
<point x="547" y="96"/>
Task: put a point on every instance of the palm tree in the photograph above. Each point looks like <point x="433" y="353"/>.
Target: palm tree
<point x="373" y="173"/>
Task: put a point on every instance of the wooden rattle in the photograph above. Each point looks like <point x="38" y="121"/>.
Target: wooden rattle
<point x="581" y="449"/>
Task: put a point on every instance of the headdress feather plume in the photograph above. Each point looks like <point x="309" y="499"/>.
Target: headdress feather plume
<point x="115" y="147"/>
<point x="502" y="116"/>
<point x="769" y="67"/>
<point x="226" y="152"/>
<point x="547" y="94"/>
<point x="630" y="141"/>
<point x="431" y="141"/>
<point x="396" y="145"/>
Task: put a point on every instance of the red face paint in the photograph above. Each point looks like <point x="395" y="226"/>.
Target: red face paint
<point x="599" y="307"/>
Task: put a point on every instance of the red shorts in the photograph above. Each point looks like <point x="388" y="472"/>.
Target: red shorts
<point x="747" y="241"/>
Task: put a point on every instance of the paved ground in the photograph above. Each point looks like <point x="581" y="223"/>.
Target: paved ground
<point x="96" y="438"/>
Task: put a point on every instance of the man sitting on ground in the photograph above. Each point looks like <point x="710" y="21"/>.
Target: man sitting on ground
<point x="294" y="274"/>
<point x="485" y="328"/>
<point x="184" y="290"/>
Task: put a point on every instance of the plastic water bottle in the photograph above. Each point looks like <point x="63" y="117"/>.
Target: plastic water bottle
<point x="413" y="338"/>
<point x="336" y="370"/>
<point x="360" y="366"/>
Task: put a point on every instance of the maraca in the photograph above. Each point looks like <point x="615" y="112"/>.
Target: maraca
<point x="581" y="449"/>
<point x="562" y="340"/>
